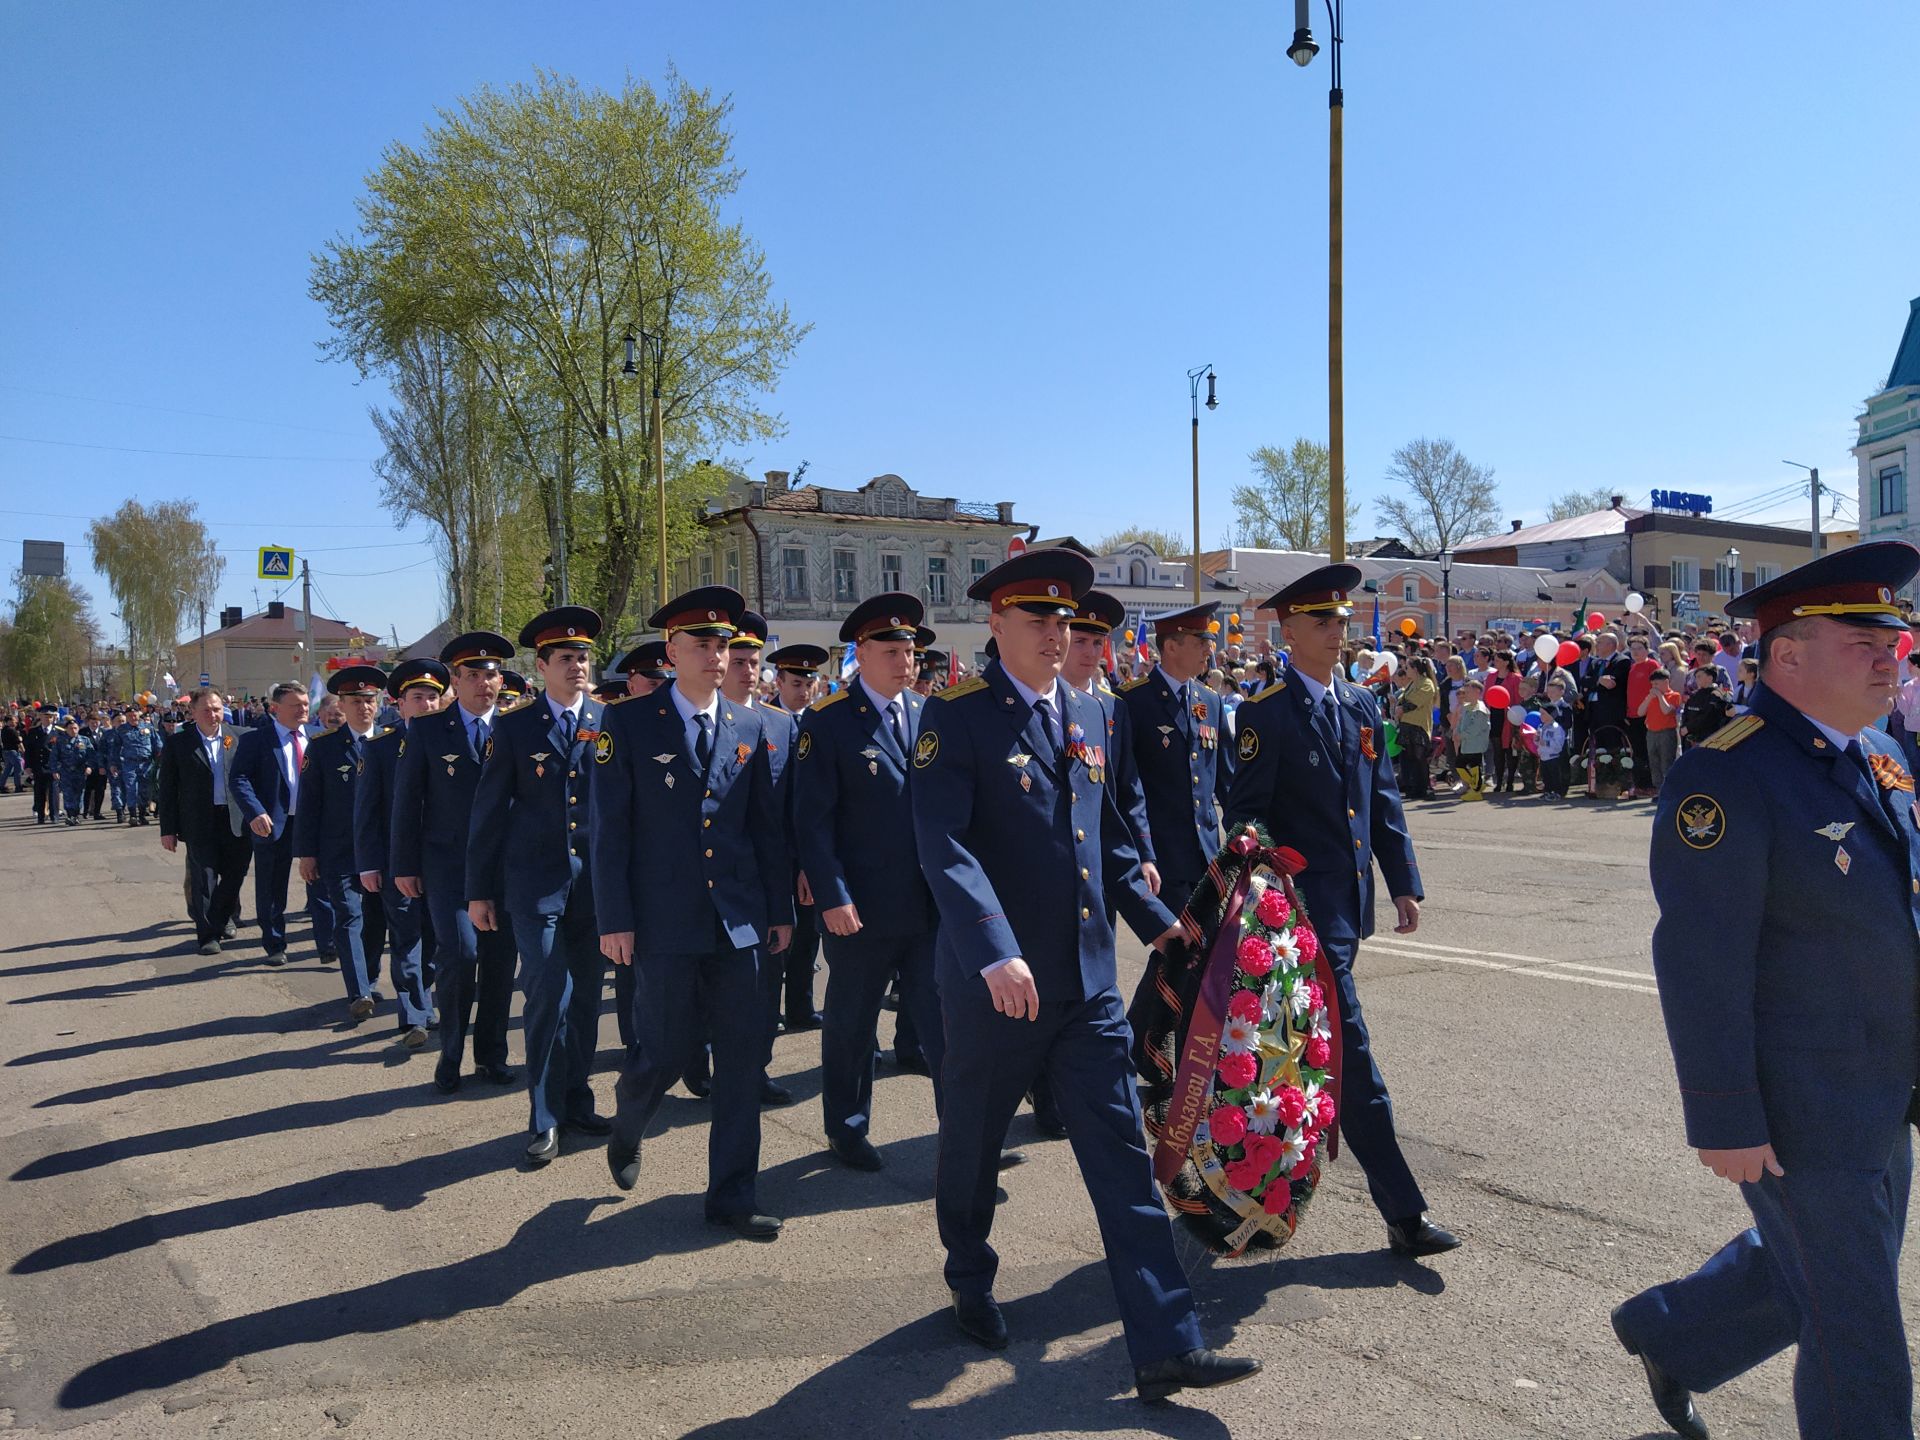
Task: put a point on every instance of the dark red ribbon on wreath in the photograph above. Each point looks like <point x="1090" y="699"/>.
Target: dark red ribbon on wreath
<point x="1201" y="1054"/>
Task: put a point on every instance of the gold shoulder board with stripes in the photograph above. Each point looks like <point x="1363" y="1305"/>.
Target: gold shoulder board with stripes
<point x="1732" y="733"/>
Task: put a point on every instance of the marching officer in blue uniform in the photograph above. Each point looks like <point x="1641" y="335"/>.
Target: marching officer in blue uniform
<point x="796" y="671"/>
<point x="1178" y="727"/>
<point x="323" y="841"/>
<point x="1023" y="849"/>
<point x="1315" y="773"/>
<point x="435" y="774"/>
<point x="1792" y="1014"/>
<point x="417" y="687"/>
<point x="694" y="881"/>
<point x="514" y="691"/>
<point x="73" y="762"/>
<point x="853" y="827"/>
<point x="646" y="667"/>
<point x="138" y="750"/>
<point x="106" y="747"/>
<point x="527" y="856"/>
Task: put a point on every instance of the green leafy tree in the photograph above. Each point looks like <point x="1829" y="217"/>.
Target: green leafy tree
<point x="532" y="229"/>
<point x="47" y="643"/>
<point x="1449" y="498"/>
<point x="162" y="566"/>
<point x="1290" y="503"/>
<point x="1576" y="503"/>
<point x="1163" y="543"/>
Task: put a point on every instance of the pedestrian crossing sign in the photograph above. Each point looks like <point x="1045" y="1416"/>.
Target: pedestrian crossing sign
<point x="276" y="563"/>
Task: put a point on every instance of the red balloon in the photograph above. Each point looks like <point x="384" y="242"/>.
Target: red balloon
<point x="1497" y="699"/>
<point x="1569" y="653"/>
<point x="1596" y="620"/>
<point x="1905" y="646"/>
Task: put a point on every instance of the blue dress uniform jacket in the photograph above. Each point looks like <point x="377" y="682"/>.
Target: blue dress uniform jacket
<point x="525" y="852"/>
<point x="259" y="783"/>
<point x="323" y="830"/>
<point x="372" y="821"/>
<point x="853" y="828"/>
<point x="1022" y="857"/>
<point x="670" y="847"/>
<point x="1321" y="795"/>
<point x="1788" y="878"/>
<point x="1124" y="768"/>
<point x="1185" y="768"/>
<point x="435" y="775"/>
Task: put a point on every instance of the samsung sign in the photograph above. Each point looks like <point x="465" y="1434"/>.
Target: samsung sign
<point x="1683" y="501"/>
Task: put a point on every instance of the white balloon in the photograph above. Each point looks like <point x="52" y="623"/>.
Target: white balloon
<point x="1546" y="647"/>
<point x="1389" y="661"/>
<point x="1516" y="713"/>
<point x="1636" y="602"/>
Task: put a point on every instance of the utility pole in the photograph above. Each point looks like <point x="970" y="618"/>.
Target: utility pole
<point x="306" y="620"/>
<point x="1813" y="474"/>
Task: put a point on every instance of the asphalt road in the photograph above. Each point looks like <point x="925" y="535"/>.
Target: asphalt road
<point x="228" y="1212"/>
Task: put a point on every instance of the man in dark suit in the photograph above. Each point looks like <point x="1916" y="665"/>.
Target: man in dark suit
<point x="265" y="781"/>
<point x="37" y="746"/>
<point x="1792" y="1015"/>
<point x="528" y="873"/>
<point x="417" y="688"/>
<point x="1315" y="773"/>
<point x="323" y="844"/>
<point x="692" y="877"/>
<point x="1605" y="692"/>
<point x="796" y="670"/>
<point x="853" y="827"/>
<point x="435" y="774"/>
<point x="1178" y="728"/>
<point x="197" y="806"/>
<point x="1023" y="849"/>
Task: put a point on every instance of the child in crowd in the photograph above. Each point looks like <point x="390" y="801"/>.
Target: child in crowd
<point x="1475" y="732"/>
<point x="1556" y="725"/>
<point x="1661" y="709"/>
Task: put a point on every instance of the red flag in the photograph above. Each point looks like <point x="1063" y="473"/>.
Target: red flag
<point x="953" y="667"/>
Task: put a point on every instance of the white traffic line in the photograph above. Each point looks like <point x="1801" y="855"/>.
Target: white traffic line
<point x="1522" y="964"/>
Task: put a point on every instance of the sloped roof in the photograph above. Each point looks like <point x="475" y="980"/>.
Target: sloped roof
<point x="264" y="627"/>
<point x="1580" y="527"/>
<point x="1906" y="360"/>
<point x="1261" y="572"/>
<point x="429" y="645"/>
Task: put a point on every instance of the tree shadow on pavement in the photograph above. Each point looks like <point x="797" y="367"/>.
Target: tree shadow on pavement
<point x="282" y="1022"/>
<point x="366" y="1040"/>
<point x="230" y="964"/>
<point x="166" y="929"/>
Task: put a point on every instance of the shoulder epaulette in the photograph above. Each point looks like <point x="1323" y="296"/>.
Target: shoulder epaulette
<point x="1101" y="685"/>
<point x="1732" y="733"/>
<point x="965" y="687"/>
<point x="1135" y="683"/>
<point x="1273" y="689"/>
<point x="618" y="700"/>
<point x="826" y="700"/>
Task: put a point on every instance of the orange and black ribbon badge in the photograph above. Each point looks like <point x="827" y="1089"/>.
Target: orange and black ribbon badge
<point x="1366" y="743"/>
<point x="1889" y="772"/>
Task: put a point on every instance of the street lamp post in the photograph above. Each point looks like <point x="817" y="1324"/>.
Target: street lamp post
<point x="1733" y="572"/>
<point x="657" y="345"/>
<point x="1446" y="594"/>
<point x="1194" y="377"/>
<point x="1301" y="52"/>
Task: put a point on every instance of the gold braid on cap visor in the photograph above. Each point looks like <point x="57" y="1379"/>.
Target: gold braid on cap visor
<point x="1339" y="602"/>
<point x="703" y="627"/>
<point x="1060" y="600"/>
<point x="1873" y="608"/>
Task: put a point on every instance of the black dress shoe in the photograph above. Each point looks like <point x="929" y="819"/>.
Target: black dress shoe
<point x="856" y="1152"/>
<point x="1046" y="1118"/>
<point x="1670" y="1397"/>
<point x="330" y="955"/>
<point x="772" y="1092"/>
<point x="748" y="1226"/>
<point x="276" y="958"/>
<point x="624" y="1165"/>
<point x="230" y="931"/>
<point x="545" y="1146"/>
<point x="446" y="1081"/>
<point x="980" y="1320"/>
<point x="209" y="947"/>
<point x="808" y="1020"/>
<point x="1195" y="1370"/>
<point x="590" y="1124"/>
<point x="911" y="1061"/>
<point x="1417" y="1235"/>
<point x="698" y="1077"/>
<point x="496" y="1074"/>
<point x="361" y="1008"/>
<point x="1011" y="1158"/>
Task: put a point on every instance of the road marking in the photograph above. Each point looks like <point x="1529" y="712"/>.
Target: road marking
<point x="1535" y="853"/>
<point x="1526" y="964"/>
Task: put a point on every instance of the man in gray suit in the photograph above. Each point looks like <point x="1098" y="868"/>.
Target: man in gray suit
<point x="197" y="806"/>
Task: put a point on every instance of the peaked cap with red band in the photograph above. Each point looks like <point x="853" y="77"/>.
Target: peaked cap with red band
<point x="408" y="673"/>
<point x="1327" y="590"/>
<point x="1194" y="620"/>
<point x="478" y="649"/>
<point x="752" y="634"/>
<point x="1856" y="586"/>
<point x="893" y="615"/>
<point x="1045" y="582"/>
<point x="709" y="610"/>
<point x="357" y="680"/>
<point x="573" y="626"/>
<point x="1098" y="613"/>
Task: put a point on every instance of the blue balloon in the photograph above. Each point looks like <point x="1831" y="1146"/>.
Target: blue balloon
<point x="1357" y="670"/>
<point x="1533" y="718"/>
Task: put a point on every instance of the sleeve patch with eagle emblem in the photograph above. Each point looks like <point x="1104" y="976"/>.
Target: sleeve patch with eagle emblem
<point x="1701" y="822"/>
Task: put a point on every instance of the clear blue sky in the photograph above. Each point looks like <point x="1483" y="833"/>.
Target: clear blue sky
<point x="1647" y="247"/>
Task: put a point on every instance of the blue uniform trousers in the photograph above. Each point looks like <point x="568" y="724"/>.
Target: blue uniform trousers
<point x="360" y="933"/>
<point x="468" y="967"/>
<point x="676" y="1000"/>
<point x="272" y="867"/>
<point x="1820" y="1270"/>
<point x="858" y="969"/>
<point x="1081" y="1046"/>
<point x="406" y="945"/>
<point x="1366" y="1111"/>
<point x="623" y="1003"/>
<point x="324" y="917"/>
<point x="73" y="790"/>
<point x="561" y="970"/>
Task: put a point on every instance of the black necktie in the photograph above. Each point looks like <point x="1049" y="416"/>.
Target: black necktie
<point x="1045" y="711"/>
<point x="893" y="724"/>
<point x="703" y="743"/>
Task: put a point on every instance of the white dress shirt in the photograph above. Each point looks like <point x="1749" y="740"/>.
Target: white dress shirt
<point x="689" y="713"/>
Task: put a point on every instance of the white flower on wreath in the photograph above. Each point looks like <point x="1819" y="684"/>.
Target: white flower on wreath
<point x="1293" y="1149"/>
<point x="1263" y="1116"/>
<point x="1312" y="1091"/>
<point x="1238" y="1036"/>
<point x="1299" y="998"/>
<point x="1286" y="950"/>
<point x="1317" y="1027"/>
<point x="1273" y="1002"/>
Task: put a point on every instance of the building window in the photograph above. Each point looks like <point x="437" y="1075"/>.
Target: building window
<point x="937" y="581"/>
<point x="889" y="572"/>
<point x="706" y="567"/>
<point x="980" y="567"/>
<point x="793" y="575"/>
<point x="1890" y="492"/>
<point x="1684" y="575"/>
<point x="846" y="577"/>
<point x="1410" y="591"/>
<point x="1725" y="582"/>
<point x="1764" y="571"/>
<point x="733" y="567"/>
